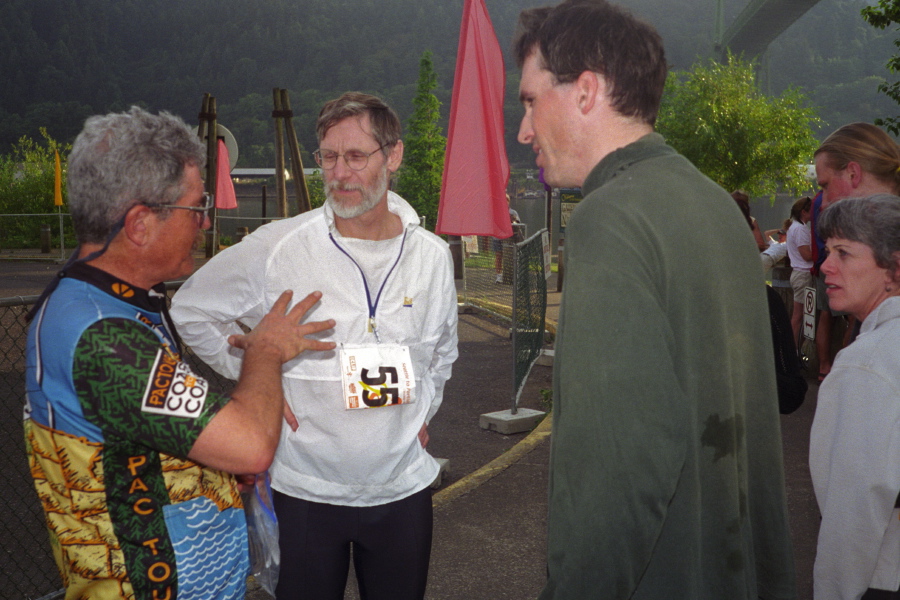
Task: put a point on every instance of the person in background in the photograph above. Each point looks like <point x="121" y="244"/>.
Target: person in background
<point x="131" y="452"/>
<point x="858" y="159"/>
<point x="777" y="266"/>
<point x="743" y="202"/>
<point x="498" y="244"/>
<point x="776" y="251"/>
<point x="789" y="378"/>
<point x="800" y="255"/>
<point x="666" y="475"/>
<point x="854" y="449"/>
<point x="351" y="472"/>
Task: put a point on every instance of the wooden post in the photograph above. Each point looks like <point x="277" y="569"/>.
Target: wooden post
<point x="560" y="268"/>
<point x="204" y="109"/>
<point x="280" y="185"/>
<point x="303" y="203"/>
<point x="265" y="203"/>
<point x="208" y="129"/>
<point x="548" y="204"/>
<point x="457" y="254"/>
<point x="548" y="195"/>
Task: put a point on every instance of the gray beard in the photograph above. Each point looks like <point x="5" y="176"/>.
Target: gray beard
<point x="370" y="197"/>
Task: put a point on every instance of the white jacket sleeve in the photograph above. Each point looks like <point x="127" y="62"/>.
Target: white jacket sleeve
<point x="854" y="442"/>
<point x="206" y="317"/>
<point x="445" y="351"/>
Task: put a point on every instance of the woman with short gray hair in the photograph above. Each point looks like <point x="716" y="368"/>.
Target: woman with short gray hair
<point x="855" y="439"/>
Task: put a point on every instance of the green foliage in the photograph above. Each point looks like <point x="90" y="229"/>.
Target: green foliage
<point x="63" y="60"/>
<point x="887" y="13"/>
<point x="546" y="399"/>
<point x="316" y="186"/>
<point x="837" y="59"/>
<point x="249" y="119"/>
<point x="27" y="179"/>
<point x="419" y="179"/>
<point x="716" y="116"/>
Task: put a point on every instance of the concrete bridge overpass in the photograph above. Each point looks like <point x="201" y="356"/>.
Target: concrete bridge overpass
<point x="761" y="22"/>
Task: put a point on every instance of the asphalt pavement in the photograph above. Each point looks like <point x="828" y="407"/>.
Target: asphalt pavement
<point x="490" y="511"/>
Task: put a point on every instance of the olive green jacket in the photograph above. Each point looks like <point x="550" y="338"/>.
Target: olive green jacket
<point x="666" y="466"/>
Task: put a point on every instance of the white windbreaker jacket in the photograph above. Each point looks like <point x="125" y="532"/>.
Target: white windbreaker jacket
<point x="346" y="457"/>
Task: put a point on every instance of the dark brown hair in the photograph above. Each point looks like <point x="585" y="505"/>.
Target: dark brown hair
<point x="800" y="205"/>
<point x="594" y="35"/>
<point x="743" y="202"/>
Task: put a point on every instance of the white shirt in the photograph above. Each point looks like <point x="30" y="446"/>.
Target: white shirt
<point x="338" y="456"/>
<point x="771" y="255"/>
<point x="798" y="235"/>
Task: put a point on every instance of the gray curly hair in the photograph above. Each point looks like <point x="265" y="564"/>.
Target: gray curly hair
<point x="121" y="159"/>
<point x="873" y="221"/>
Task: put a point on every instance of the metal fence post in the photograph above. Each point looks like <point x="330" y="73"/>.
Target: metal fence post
<point x="45" y="239"/>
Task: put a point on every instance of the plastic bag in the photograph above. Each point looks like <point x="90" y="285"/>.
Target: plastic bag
<point x="262" y="530"/>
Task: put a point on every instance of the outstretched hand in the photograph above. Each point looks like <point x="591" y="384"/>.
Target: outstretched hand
<point x="281" y="331"/>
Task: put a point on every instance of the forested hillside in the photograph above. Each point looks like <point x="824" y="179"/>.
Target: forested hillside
<point x="61" y="60"/>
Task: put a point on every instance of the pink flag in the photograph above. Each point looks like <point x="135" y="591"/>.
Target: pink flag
<point x="225" y="196"/>
<point x="476" y="169"/>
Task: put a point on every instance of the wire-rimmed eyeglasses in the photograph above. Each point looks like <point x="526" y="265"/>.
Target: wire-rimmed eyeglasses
<point x="355" y="159"/>
<point x="203" y="210"/>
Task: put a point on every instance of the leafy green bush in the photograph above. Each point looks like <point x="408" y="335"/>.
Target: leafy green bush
<point x="27" y="177"/>
<point x="316" y="186"/>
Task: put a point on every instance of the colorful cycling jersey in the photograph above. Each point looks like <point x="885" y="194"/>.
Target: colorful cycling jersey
<point x="111" y="414"/>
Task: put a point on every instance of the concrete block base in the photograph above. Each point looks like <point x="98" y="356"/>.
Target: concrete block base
<point x="546" y="357"/>
<point x="445" y="468"/>
<point x="507" y="423"/>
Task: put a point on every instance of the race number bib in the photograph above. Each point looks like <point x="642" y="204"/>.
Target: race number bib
<point x="374" y="376"/>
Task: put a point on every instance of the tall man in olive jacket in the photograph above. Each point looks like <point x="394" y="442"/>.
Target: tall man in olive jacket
<point x="666" y="469"/>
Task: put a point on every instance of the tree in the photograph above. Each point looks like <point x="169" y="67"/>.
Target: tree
<point x="886" y="13"/>
<point x="27" y="177"/>
<point x="716" y="116"/>
<point x="419" y="180"/>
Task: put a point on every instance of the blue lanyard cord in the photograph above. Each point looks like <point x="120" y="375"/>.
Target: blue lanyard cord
<point x="373" y="306"/>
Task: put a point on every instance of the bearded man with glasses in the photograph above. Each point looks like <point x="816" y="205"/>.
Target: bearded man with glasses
<point x="346" y="476"/>
<point x="132" y="454"/>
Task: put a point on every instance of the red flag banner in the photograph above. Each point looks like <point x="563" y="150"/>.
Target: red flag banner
<point x="476" y="169"/>
<point x="225" y="196"/>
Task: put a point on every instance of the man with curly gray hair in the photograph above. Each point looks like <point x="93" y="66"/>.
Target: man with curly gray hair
<point x="132" y="454"/>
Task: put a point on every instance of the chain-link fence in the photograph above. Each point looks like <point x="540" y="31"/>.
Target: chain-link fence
<point x="529" y="307"/>
<point x="488" y="273"/>
<point x="506" y="278"/>
<point x="27" y="569"/>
